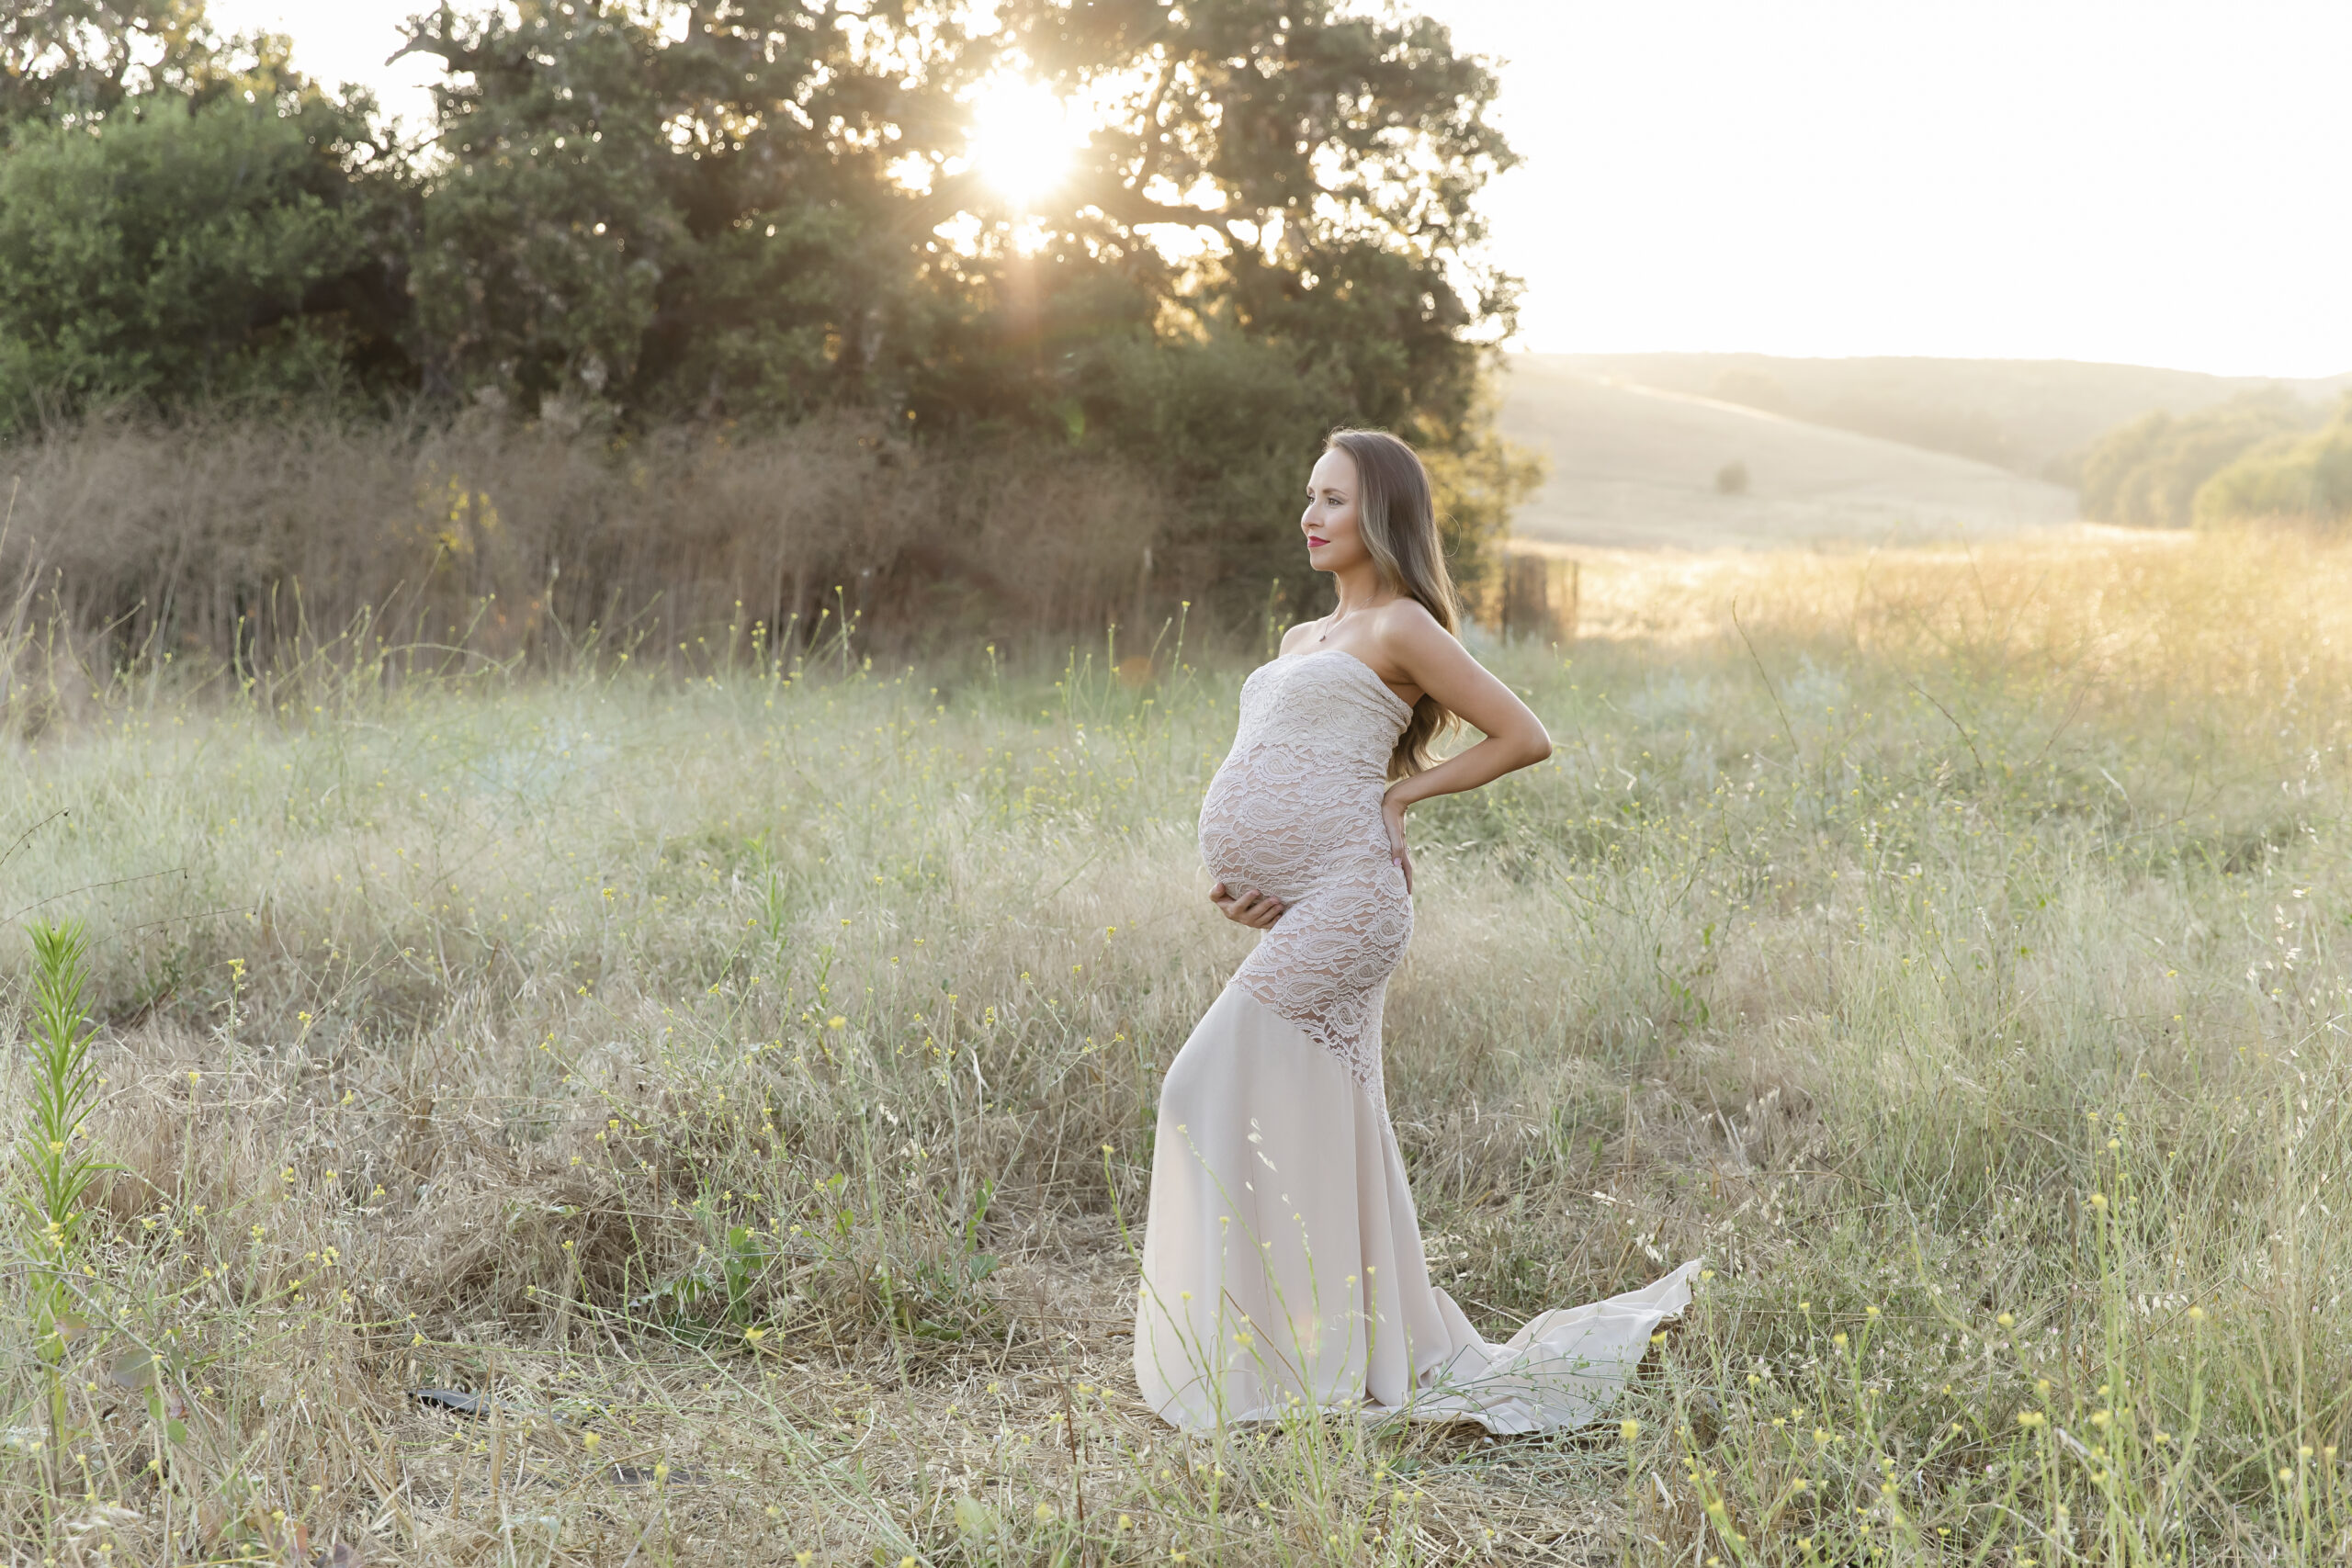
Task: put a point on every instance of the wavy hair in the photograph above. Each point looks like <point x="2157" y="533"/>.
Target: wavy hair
<point x="1396" y="516"/>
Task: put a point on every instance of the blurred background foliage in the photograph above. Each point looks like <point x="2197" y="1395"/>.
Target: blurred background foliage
<point x="2152" y="472"/>
<point x="637" y="216"/>
<point x="2287" y="475"/>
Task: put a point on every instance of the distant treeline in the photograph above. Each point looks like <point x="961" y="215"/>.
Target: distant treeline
<point x="626" y="220"/>
<point x="2256" y="456"/>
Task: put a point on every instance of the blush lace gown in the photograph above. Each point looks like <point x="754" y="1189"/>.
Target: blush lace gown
<point x="1282" y="1261"/>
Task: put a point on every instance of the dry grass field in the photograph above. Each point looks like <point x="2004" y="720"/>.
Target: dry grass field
<point x="737" y="1078"/>
<point x="1635" y="466"/>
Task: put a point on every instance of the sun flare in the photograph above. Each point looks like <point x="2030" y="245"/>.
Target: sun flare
<point x="1023" y="137"/>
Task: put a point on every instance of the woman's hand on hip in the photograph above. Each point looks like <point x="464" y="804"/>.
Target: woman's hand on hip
<point x="1392" y="816"/>
<point x="1248" y="907"/>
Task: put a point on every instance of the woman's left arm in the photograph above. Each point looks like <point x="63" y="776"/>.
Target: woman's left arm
<point x="1433" y="660"/>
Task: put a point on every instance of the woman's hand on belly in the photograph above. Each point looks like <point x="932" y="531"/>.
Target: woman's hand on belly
<point x="1247" y="905"/>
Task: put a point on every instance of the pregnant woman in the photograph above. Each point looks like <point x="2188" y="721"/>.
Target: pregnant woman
<point x="1282" y="1261"/>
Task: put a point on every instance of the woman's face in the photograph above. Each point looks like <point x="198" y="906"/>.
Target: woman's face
<point x="1333" y="541"/>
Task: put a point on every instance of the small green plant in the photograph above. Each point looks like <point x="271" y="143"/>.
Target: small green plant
<point x="64" y="1086"/>
<point x="58" y="1161"/>
<point x="715" y="1291"/>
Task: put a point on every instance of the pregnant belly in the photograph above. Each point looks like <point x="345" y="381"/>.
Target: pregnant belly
<point x="1281" y="836"/>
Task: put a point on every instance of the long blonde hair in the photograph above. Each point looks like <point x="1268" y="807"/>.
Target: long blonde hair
<point x="1396" y="516"/>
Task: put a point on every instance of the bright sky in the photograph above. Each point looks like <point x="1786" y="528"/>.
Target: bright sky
<point x="2145" y="181"/>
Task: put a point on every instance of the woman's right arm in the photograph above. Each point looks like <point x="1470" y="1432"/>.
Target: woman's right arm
<point x="1257" y="910"/>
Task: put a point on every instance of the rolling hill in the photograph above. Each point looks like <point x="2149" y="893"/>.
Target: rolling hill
<point x="1635" y="466"/>
<point x="2030" y="415"/>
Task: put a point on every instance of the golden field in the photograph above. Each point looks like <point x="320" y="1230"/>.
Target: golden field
<point x="738" y="1075"/>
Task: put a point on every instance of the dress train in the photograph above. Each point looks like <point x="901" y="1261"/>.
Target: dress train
<point x="1283" y="1267"/>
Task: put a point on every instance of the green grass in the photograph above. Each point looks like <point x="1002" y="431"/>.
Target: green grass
<point x="751" y="1069"/>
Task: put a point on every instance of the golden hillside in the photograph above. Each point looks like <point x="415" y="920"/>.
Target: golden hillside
<point x="1637" y="465"/>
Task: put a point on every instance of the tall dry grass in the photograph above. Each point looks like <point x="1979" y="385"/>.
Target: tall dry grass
<point x="748" y="1066"/>
<point x="254" y="548"/>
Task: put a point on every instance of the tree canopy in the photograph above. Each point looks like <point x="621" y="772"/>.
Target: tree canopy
<point x="76" y="62"/>
<point x="2304" y="477"/>
<point x="2148" y="472"/>
<point x="638" y="211"/>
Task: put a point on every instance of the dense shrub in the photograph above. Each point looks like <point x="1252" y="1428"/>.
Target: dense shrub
<point x="2306" y="477"/>
<point x="212" y="253"/>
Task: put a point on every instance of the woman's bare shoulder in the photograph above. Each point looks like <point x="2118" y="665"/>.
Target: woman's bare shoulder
<point x="1405" y="622"/>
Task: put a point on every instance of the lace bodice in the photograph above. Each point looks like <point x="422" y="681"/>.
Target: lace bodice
<point x="1294" y="810"/>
